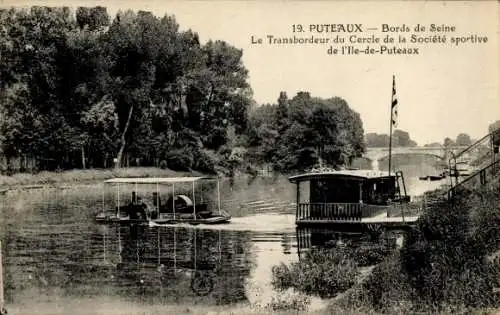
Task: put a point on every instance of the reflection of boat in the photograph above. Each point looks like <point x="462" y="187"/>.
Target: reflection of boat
<point x="350" y="196"/>
<point x="152" y="257"/>
<point x="176" y="264"/>
<point x="178" y="208"/>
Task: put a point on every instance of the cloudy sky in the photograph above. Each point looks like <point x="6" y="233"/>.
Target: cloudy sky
<point x="442" y="91"/>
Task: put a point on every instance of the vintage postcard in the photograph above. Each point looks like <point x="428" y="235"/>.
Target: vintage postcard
<point x="249" y="157"/>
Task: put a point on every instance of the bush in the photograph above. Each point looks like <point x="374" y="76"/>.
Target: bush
<point x="205" y="162"/>
<point x="163" y="164"/>
<point x="369" y="255"/>
<point x="180" y="160"/>
<point x="387" y="287"/>
<point x="445" y="257"/>
<point x="322" y="272"/>
<point x="289" y="300"/>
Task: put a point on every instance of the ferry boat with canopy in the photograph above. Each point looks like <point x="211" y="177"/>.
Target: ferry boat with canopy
<point x="351" y="197"/>
<point x="186" y="201"/>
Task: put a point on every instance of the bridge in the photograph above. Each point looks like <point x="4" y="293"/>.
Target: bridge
<point x="438" y="152"/>
<point x="443" y="153"/>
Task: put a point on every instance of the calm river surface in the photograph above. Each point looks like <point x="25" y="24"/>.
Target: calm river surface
<point x="58" y="261"/>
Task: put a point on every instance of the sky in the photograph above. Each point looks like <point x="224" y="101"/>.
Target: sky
<point x="442" y="91"/>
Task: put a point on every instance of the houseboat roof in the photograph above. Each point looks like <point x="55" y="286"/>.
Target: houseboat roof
<point x="154" y="180"/>
<point x="358" y="174"/>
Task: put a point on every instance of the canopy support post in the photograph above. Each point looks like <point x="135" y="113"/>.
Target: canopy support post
<point x="158" y="199"/>
<point x="194" y="204"/>
<point x="173" y="199"/>
<point x="104" y="245"/>
<point x="175" y="249"/>
<point x="118" y="202"/>
<point x="120" y="243"/>
<point x="195" y="249"/>
<point x="220" y="250"/>
<point x="218" y="195"/>
<point x="103" y="188"/>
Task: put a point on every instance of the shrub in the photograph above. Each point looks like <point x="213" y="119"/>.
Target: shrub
<point x="289" y="300"/>
<point x="180" y="160"/>
<point x="205" y="162"/>
<point x="163" y="164"/>
<point x="369" y="255"/>
<point x="322" y="272"/>
<point x="444" y="257"/>
<point x="387" y="287"/>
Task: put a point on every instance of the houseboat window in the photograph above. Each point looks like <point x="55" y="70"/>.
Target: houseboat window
<point x="336" y="190"/>
<point x="379" y="191"/>
<point x="304" y="192"/>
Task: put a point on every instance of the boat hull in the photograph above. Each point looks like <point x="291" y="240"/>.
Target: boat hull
<point x="113" y="219"/>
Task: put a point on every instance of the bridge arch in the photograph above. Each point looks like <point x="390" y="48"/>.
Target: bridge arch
<point x="374" y="155"/>
<point x="440" y="157"/>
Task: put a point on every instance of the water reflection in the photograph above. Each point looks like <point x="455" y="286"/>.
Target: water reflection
<point x="324" y="238"/>
<point x="189" y="264"/>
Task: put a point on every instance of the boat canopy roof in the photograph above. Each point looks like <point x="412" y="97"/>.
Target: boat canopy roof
<point x="347" y="174"/>
<point x="155" y="180"/>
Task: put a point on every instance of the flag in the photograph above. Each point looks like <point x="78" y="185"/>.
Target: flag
<point x="394" y="104"/>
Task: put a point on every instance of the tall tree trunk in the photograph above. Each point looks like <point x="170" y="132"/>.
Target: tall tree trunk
<point x="122" y="139"/>
<point x="83" y="156"/>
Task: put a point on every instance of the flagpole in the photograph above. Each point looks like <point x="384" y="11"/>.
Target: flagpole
<point x="390" y="124"/>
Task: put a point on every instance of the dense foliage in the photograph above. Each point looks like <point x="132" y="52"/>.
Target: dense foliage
<point x="400" y="138"/>
<point x="304" y="132"/>
<point x="79" y="91"/>
<point x="494" y="128"/>
<point x="322" y="272"/>
<point x="449" y="261"/>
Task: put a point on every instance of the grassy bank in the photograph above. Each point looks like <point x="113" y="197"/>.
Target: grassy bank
<point x="85" y="176"/>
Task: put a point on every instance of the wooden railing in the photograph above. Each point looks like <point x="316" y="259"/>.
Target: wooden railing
<point x="329" y="211"/>
<point x="479" y="178"/>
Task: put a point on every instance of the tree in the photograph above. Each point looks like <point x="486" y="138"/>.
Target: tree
<point x="463" y="139"/>
<point x="92" y="18"/>
<point x="402" y="139"/>
<point x="167" y="91"/>
<point x="282" y="113"/>
<point x="318" y="131"/>
<point x="494" y="128"/>
<point x="375" y="140"/>
<point x="448" y="142"/>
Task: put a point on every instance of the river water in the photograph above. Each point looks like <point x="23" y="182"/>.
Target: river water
<point x="58" y="261"/>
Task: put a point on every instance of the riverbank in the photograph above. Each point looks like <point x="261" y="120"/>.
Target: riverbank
<point x="448" y="263"/>
<point x="27" y="180"/>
